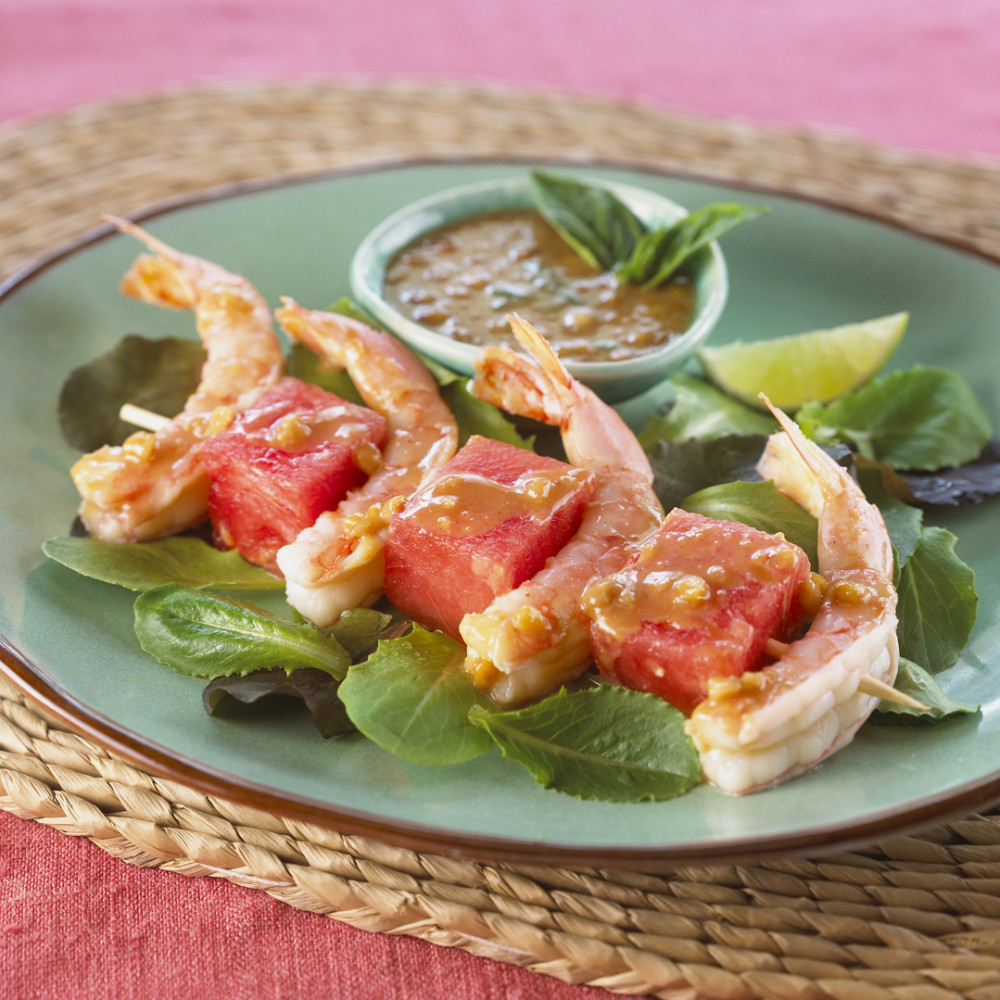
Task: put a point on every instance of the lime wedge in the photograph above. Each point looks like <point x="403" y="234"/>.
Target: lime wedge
<point x="806" y="367"/>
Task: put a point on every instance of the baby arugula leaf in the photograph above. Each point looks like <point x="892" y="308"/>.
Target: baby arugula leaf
<point x="917" y="419"/>
<point x="157" y="375"/>
<point x="412" y="698"/>
<point x="913" y="680"/>
<point x="145" y="565"/>
<point x="604" y="743"/>
<point x="598" y="226"/>
<point x="661" y="252"/>
<point x="204" y="635"/>
<point x="937" y="602"/>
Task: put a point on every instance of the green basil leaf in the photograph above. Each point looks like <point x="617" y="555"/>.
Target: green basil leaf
<point x="681" y="468"/>
<point x="316" y="689"/>
<point x="145" y="565"/>
<point x="205" y="635"/>
<point x="937" y="602"/>
<point x="918" y="419"/>
<point x="596" y="224"/>
<point x="761" y="506"/>
<point x="661" y="252"/>
<point x="699" y="410"/>
<point x="604" y="743"/>
<point x="913" y="680"/>
<point x="412" y="698"/>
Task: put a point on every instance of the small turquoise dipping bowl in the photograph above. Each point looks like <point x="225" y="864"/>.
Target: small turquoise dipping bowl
<point x="614" y="381"/>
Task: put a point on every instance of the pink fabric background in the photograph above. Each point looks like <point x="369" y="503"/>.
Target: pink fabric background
<point x="921" y="74"/>
<point x="917" y="74"/>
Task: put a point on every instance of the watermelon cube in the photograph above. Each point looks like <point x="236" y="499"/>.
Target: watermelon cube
<point x="698" y="601"/>
<point x="487" y="522"/>
<point x="295" y="453"/>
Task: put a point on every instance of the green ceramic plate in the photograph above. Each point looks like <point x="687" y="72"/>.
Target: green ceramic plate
<point x="69" y="641"/>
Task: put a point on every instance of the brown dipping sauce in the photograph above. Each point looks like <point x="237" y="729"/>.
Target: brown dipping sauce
<point x="462" y="279"/>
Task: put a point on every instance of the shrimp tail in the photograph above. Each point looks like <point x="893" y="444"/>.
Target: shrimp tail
<point x="540" y="349"/>
<point x="154" y="244"/>
<point x="160" y="280"/>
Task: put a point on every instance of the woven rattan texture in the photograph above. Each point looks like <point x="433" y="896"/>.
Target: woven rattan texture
<point x="916" y="918"/>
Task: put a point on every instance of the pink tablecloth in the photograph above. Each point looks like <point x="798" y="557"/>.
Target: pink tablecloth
<point x="918" y="74"/>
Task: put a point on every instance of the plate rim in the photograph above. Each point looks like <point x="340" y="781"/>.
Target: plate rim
<point x="134" y="748"/>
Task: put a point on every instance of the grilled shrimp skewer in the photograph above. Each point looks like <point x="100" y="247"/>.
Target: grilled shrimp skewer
<point x="535" y="637"/>
<point x="154" y="483"/>
<point x="339" y="562"/>
<point x="767" y="726"/>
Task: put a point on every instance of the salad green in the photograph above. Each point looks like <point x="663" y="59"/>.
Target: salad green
<point x="402" y="687"/>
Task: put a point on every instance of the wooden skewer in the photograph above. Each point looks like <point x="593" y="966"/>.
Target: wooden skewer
<point x="867" y="685"/>
<point x="879" y="689"/>
<point x="145" y="419"/>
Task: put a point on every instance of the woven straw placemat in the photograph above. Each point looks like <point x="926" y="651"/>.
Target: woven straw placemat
<point x="917" y="918"/>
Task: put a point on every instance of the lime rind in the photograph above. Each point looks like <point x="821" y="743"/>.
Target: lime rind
<point x="817" y="366"/>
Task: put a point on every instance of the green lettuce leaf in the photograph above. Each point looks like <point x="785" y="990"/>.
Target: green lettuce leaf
<point x="917" y="419"/>
<point x="937" y="602"/>
<point x="308" y="366"/>
<point x="604" y="743"/>
<point x="681" y="468"/>
<point x="157" y="375"/>
<point x="761" y="506"/>
<point x="204" y="635"/>
<point x="412" y="698"/>
<point x="913" y="680"/>
<point x="701" y="411"/>
<point x="145" y="565"/>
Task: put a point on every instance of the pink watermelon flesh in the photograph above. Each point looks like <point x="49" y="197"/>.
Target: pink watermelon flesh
<point x="487" y="522"/>
<point x="699" y="601"/>
<point x="281" y="463"/>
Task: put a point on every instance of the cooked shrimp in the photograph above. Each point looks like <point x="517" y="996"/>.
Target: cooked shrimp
<point x="767" y="726"/>
<point x="154" y="484"/>
<point x="339" y="562"/>
<point x="536" y="637"/>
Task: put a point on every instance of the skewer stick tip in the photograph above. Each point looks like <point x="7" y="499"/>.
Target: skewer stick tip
<point x="145" y="419"/>
<point x="879" y="689"/>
